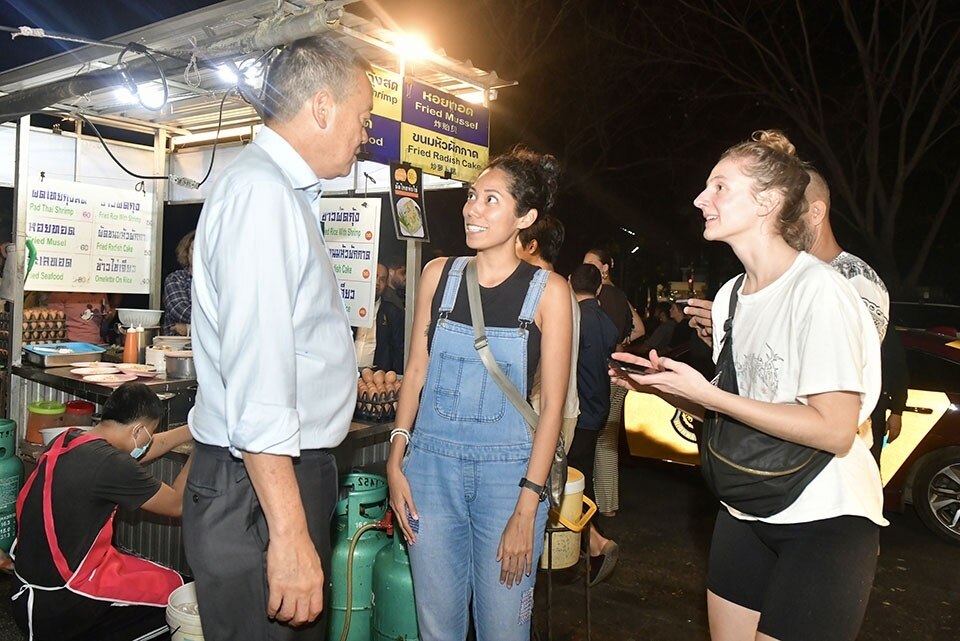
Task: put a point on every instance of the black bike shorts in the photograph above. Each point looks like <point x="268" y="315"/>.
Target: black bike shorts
<point x="809" y="581"/>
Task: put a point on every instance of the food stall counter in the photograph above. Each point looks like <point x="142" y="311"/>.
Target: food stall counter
<point x="366" y="445"/>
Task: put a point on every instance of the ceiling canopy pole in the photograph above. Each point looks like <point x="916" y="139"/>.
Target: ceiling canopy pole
<point x="278" y="30"/>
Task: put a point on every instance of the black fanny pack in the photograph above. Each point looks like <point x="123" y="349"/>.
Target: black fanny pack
<point x="750" y="470"/>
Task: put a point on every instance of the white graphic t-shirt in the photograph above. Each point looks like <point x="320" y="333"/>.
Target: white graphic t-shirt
<point x="808" y="333"/>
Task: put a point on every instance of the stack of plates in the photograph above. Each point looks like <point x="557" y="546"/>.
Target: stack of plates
<point x="110" y="379"/>
<point x="94" y="370"/>
<point x="137" y="369"/>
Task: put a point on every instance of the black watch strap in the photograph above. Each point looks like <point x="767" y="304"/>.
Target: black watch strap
<point x="539" y="490"/>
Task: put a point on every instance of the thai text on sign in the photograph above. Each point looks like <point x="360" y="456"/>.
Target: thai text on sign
<point x="89" y="238"/>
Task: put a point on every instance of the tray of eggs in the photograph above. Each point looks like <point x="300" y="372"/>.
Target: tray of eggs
<point x="377" y="394"/>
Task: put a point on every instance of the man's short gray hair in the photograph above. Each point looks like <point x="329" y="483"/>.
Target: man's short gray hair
<point x="305" y="67"/>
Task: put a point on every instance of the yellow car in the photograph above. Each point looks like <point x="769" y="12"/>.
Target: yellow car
<point x="921" y="467"/>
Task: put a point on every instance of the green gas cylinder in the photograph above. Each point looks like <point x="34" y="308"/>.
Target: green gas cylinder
<point x="394" y="608"/>
<point x="362" y="505"/>
<point x="11" y="478"/>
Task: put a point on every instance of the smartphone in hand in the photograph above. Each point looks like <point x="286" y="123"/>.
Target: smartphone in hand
<point x="629" y="368"/>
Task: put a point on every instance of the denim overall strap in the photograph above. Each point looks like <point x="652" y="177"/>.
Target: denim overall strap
<point x="463" y="412"/>
<point x="453" y="284"/>
<point x="534" y="292"/>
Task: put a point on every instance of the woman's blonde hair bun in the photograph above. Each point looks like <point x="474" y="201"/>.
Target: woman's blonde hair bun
<point x="776" y="140"/>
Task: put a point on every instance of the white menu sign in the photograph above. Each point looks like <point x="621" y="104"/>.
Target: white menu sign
<point x="351" y="229"/>
<point x="89" y="238"/>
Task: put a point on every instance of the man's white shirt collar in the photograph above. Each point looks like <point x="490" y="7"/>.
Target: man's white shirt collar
<point x="292" y="164"/>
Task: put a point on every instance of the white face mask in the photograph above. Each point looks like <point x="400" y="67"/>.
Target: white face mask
<point x="139" y="450"/>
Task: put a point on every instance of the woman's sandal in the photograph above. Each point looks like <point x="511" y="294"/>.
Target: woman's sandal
<point x="602" y="566"/>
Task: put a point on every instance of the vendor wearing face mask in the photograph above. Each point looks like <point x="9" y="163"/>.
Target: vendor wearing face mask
<point x="68" y="574"/>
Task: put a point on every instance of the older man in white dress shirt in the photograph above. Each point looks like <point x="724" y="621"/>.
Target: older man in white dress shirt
<point x="274" y="357"/>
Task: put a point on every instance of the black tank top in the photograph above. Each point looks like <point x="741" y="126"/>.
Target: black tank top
<point x="501" y="308"/>
<point x="614" y="302"/>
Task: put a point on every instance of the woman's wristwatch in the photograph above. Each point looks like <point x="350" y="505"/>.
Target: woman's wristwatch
<point x="539" y="490"/>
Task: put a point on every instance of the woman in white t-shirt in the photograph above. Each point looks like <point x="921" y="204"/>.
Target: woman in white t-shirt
<point x="807" y="363"/>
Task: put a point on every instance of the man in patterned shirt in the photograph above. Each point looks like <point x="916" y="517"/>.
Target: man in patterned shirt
<point x="176" y="290"/>
<point x="823" y="244"/>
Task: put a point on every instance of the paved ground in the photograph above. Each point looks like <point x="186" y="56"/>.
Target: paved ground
<point x="657" y="592"/>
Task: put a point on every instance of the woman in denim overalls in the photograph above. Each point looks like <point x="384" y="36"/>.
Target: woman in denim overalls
<point x="470" y="480"/>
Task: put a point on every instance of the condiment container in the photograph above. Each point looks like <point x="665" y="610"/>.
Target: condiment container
<point x="131" y="345"/>
<point x="41" y="415"/>
<point x="79" y="413"/>
<point x="155" y="356"/>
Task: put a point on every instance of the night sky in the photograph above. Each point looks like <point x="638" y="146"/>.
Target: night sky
<point x="637" y="127"/>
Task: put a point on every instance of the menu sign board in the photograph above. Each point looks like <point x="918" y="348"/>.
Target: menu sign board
<point x="89" y="238"/>
<point x="442" y="133"/>
<point x="406" y="201"/>
<point x="421" y="125"/>
<point x="351" y="232"/>
<point x="383" y="141"/>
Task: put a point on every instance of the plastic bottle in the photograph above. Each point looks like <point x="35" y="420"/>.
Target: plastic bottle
<point x="131" y="344"/>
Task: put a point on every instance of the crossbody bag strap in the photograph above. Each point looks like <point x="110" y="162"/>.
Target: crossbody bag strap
<point x="726" y="347"/>
<point x="728" y="324"/>
<point x="482" y="346"/>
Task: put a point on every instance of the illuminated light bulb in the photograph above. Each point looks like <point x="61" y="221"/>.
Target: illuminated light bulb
<point x="475" y="97"/>
<point x="151" y="96"/>
<point x="227" y="74"/>
<point x="413" y="46"/>
<point x="124" y="96"/>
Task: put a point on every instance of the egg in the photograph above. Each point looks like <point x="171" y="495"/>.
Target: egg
<point x="366" y="374"/>
<point x="390" y="377"/>
<point x="378" y="377"/>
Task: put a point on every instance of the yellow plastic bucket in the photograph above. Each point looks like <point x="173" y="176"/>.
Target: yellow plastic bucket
<point x="575" y="512"/>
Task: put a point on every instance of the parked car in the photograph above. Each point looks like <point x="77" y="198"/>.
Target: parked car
<point x="921" y="467"/>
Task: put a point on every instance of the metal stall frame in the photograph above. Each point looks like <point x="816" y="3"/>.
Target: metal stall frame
<point x="230" y="32"/>
<point x="82" y="80"/>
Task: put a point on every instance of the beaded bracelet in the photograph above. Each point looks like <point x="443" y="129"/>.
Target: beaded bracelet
<point x="402" y="432"/>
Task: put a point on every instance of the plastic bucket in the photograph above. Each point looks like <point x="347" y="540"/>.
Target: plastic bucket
<point x="79" y="413"/>
<point x="43" y="414"/>
<point x="572" y="518"/>
<point x="183" y="615"/>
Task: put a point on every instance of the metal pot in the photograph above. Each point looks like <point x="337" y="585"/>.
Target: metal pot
<point x="179" y="364"/>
